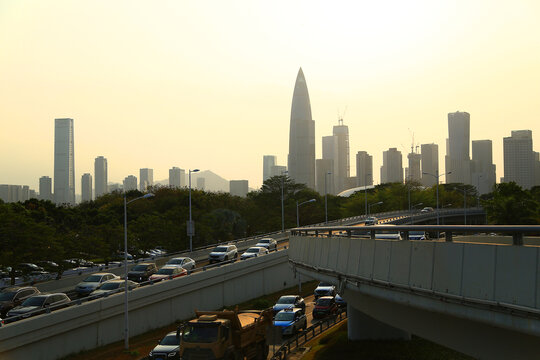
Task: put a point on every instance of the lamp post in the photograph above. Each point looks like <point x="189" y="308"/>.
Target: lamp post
<point x="126" y="318"/>
<point x="191" y="228"/>
<point x="297" y="213"/>
<point x="282" y="208"/>
<point x="325" y="200"/>
<point x="365" y="194"/>
<point x="373" y="204"/>
<point x="415" y="205"/>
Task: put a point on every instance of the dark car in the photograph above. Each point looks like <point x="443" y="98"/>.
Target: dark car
<point x="167" y="348"/>
<point x="28" y="268"/>
<point x="38" y="304"/>
<point x="289" y="302"/>
<point x="325" y="306"/>
<point x="14" y="296"/>
<point x="341" y="303"/>
<point x="141" y="272"/>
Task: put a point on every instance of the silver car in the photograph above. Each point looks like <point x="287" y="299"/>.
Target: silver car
<point x="223" y="253"/>
<point x="269" y="243"/>
<point x="92" y="282"/>
<point x="254" y="251"/>
<point x="185" y="262"/>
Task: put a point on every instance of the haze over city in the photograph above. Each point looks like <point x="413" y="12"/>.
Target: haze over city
<point x="209" y="86"/>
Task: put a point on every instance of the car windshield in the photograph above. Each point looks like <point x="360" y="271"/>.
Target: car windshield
<point x="174" y="261"/>
<point x="220" y="249"/>
<point x="284" y="316"/>
<point x="286" y="300"/>
<point x="165" y="271"/>
<point x="252" y="250"/>
<point x="170" y="340"/>
<point x="7" y="296"/>
<point x="139" y="268"/>
<point x="324" y="284"/>
<point x="323" y="302"/>
<point x="93" y="278"/>
<point x="110" y="286"/>
<point x="265" y="241"/>
<point x="34" y="301"/>
<point x="200" y="334"/>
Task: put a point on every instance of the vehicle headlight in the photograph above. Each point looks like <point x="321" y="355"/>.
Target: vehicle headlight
<point x="171" y="354"/>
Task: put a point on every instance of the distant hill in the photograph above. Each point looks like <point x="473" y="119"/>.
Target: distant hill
<point x="212" y="181"/>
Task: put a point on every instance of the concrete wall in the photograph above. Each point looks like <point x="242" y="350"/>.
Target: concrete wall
<point x="101" y="322"/>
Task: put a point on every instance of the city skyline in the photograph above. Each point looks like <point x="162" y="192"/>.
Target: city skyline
<point x="389" y="71"/>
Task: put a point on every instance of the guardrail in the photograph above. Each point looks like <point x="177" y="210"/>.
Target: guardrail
<point x="303" y="337"/>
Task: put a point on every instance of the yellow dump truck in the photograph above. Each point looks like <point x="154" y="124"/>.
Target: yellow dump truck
<point x="229" y="335"/>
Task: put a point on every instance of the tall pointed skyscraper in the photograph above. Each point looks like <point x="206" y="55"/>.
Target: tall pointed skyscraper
<point x="301" y="161"/>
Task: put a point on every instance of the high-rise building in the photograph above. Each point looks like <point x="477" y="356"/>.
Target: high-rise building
<point x="536" y="169"/>
<point x="130" y="183"/>
<point x="301" y="160"/>
<point x="330" y="152"/>
<point x="325" y="178"/>
<point x="414" y="171"/>
<point x="364" y="169"/>
<point x="519" y="158"/>
<point x="15" y="193"/>
<point x="458" y="161"/>
<point x="430" y="163"/>
<point x="239" y="187"/>
<point x="100" y="176"/>
<point x="64" y="162"/>
<point x="268" y="162"/>
<point x="342" y="159"/>
<point x="483" y="175"/>
<point x="146" y="178"/>
<point x="86" y="187"/>
<point x="278" y="170"/>
<point x="201" y="183"/>
<point x="177" y="177"/>
<point x="33" y="194"/>
<point x="392" y="168"/>
<point x="45" y="188"/>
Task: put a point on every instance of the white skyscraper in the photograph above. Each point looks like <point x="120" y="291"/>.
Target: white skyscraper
<point x="483" y="176"/>
<point x="130" y="183"/>
<point x="364" y="169"/>
<point x="45" y="188"/>
<point x="430" y="163"/>
<point x="64" y="162"/>
<point x="146" y="178"/>
<point x="392" y="168"/>
<point x="301" y="160"/>
<point x="268" y="162"/>
<point x="278" y="170"/>
<point x="239" y="187"/>
<point x="342" y="159"/>
<point x="458" y="160"/>
<point x="100" y="176"/>
<point x="177" y="177"/>
<point x="86" y="187"/>
<point x="519" y="158"/>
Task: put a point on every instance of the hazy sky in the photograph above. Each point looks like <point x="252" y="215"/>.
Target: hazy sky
<point x="208" y="84"/>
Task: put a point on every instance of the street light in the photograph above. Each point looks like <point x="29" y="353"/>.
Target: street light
<point x="297" y="206"/>
<point x="126" y="318"/>
<point x="325" y="201"/>
<point x="191" y="228"/>
<point x="282" y="208"/>
<point x="365" y="194"/>
<point x="412" y="208"/>
<point x="373" y="204"/>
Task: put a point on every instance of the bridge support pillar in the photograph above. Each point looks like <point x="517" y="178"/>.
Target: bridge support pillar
<point x="363" y="327"/>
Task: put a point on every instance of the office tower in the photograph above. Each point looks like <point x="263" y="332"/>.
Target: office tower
<point x="201" y="183"/>
<point x="86" y="187"/>
<point x="64" y="162"/>
<point x="392" y="168"/>
<point x="414" y="172"/>
<point x="45" y="188"/>
<point x="33" y="194"/>
<point x="177" y="177"/>
<point x="483" y="170"/>
<point x="364" y="169"/>
<point x="430" y="163"/>
<point x="146" y="178"/>
<point x="268" y="162"/>
<point x="238" y="187"/>
<point x="278" y="170"/>
<point x="536" y="169"/>
<point x="301" y="160"/>
<point x="115" y="187"/>
<point x="519" y="158"/>
<point x="325" y="180"/>
<point x="342" y="158"/>
<point x="330" y="152"/>
<point x="4" y="192"/>
<point x="100" y="176"/>
<point x="25" y="193"/>
<point x="457" y="159"/>
<point x="130" y="183"/>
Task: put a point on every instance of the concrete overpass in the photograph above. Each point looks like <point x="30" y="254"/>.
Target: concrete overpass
<point x="478" y="298"/>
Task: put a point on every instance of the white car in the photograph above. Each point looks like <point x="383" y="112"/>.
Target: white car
<point x="268" y="243"/>
<point x="185" y="262"/>
<point x="223" y="253"/>
<point x="325" y="289"/>
<point x="254" y="251"/>
<point x="92" y="282"/>
<point x="112" y="286"/>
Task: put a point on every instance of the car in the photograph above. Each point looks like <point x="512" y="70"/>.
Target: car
<point x="111" y="286"/>
<point x="28" y="268"/>
<point x="341" y="303"/>
<point x="325" y="306"/>
<point x="371" y="221"/>
<point x="223" y="253"/>
<point x="269" y="243"/>
<point x="289" y="301"/>
<point x="291" y="320"/>
<point x="49" y="266"/>
<point x="427" y="209"/>
<point x="38" y="304"/>
<point x="92" y="282"/>
<point x="254" y="251"/>
<point x="418" y="235"/>
<point x="142" y="272"/>
<point x="14" y="296"/>
<point x="186" y="262"/>
<point x="168" y="272"/>
<point x="325" y="289"/>
<point x="167" y="348"/>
